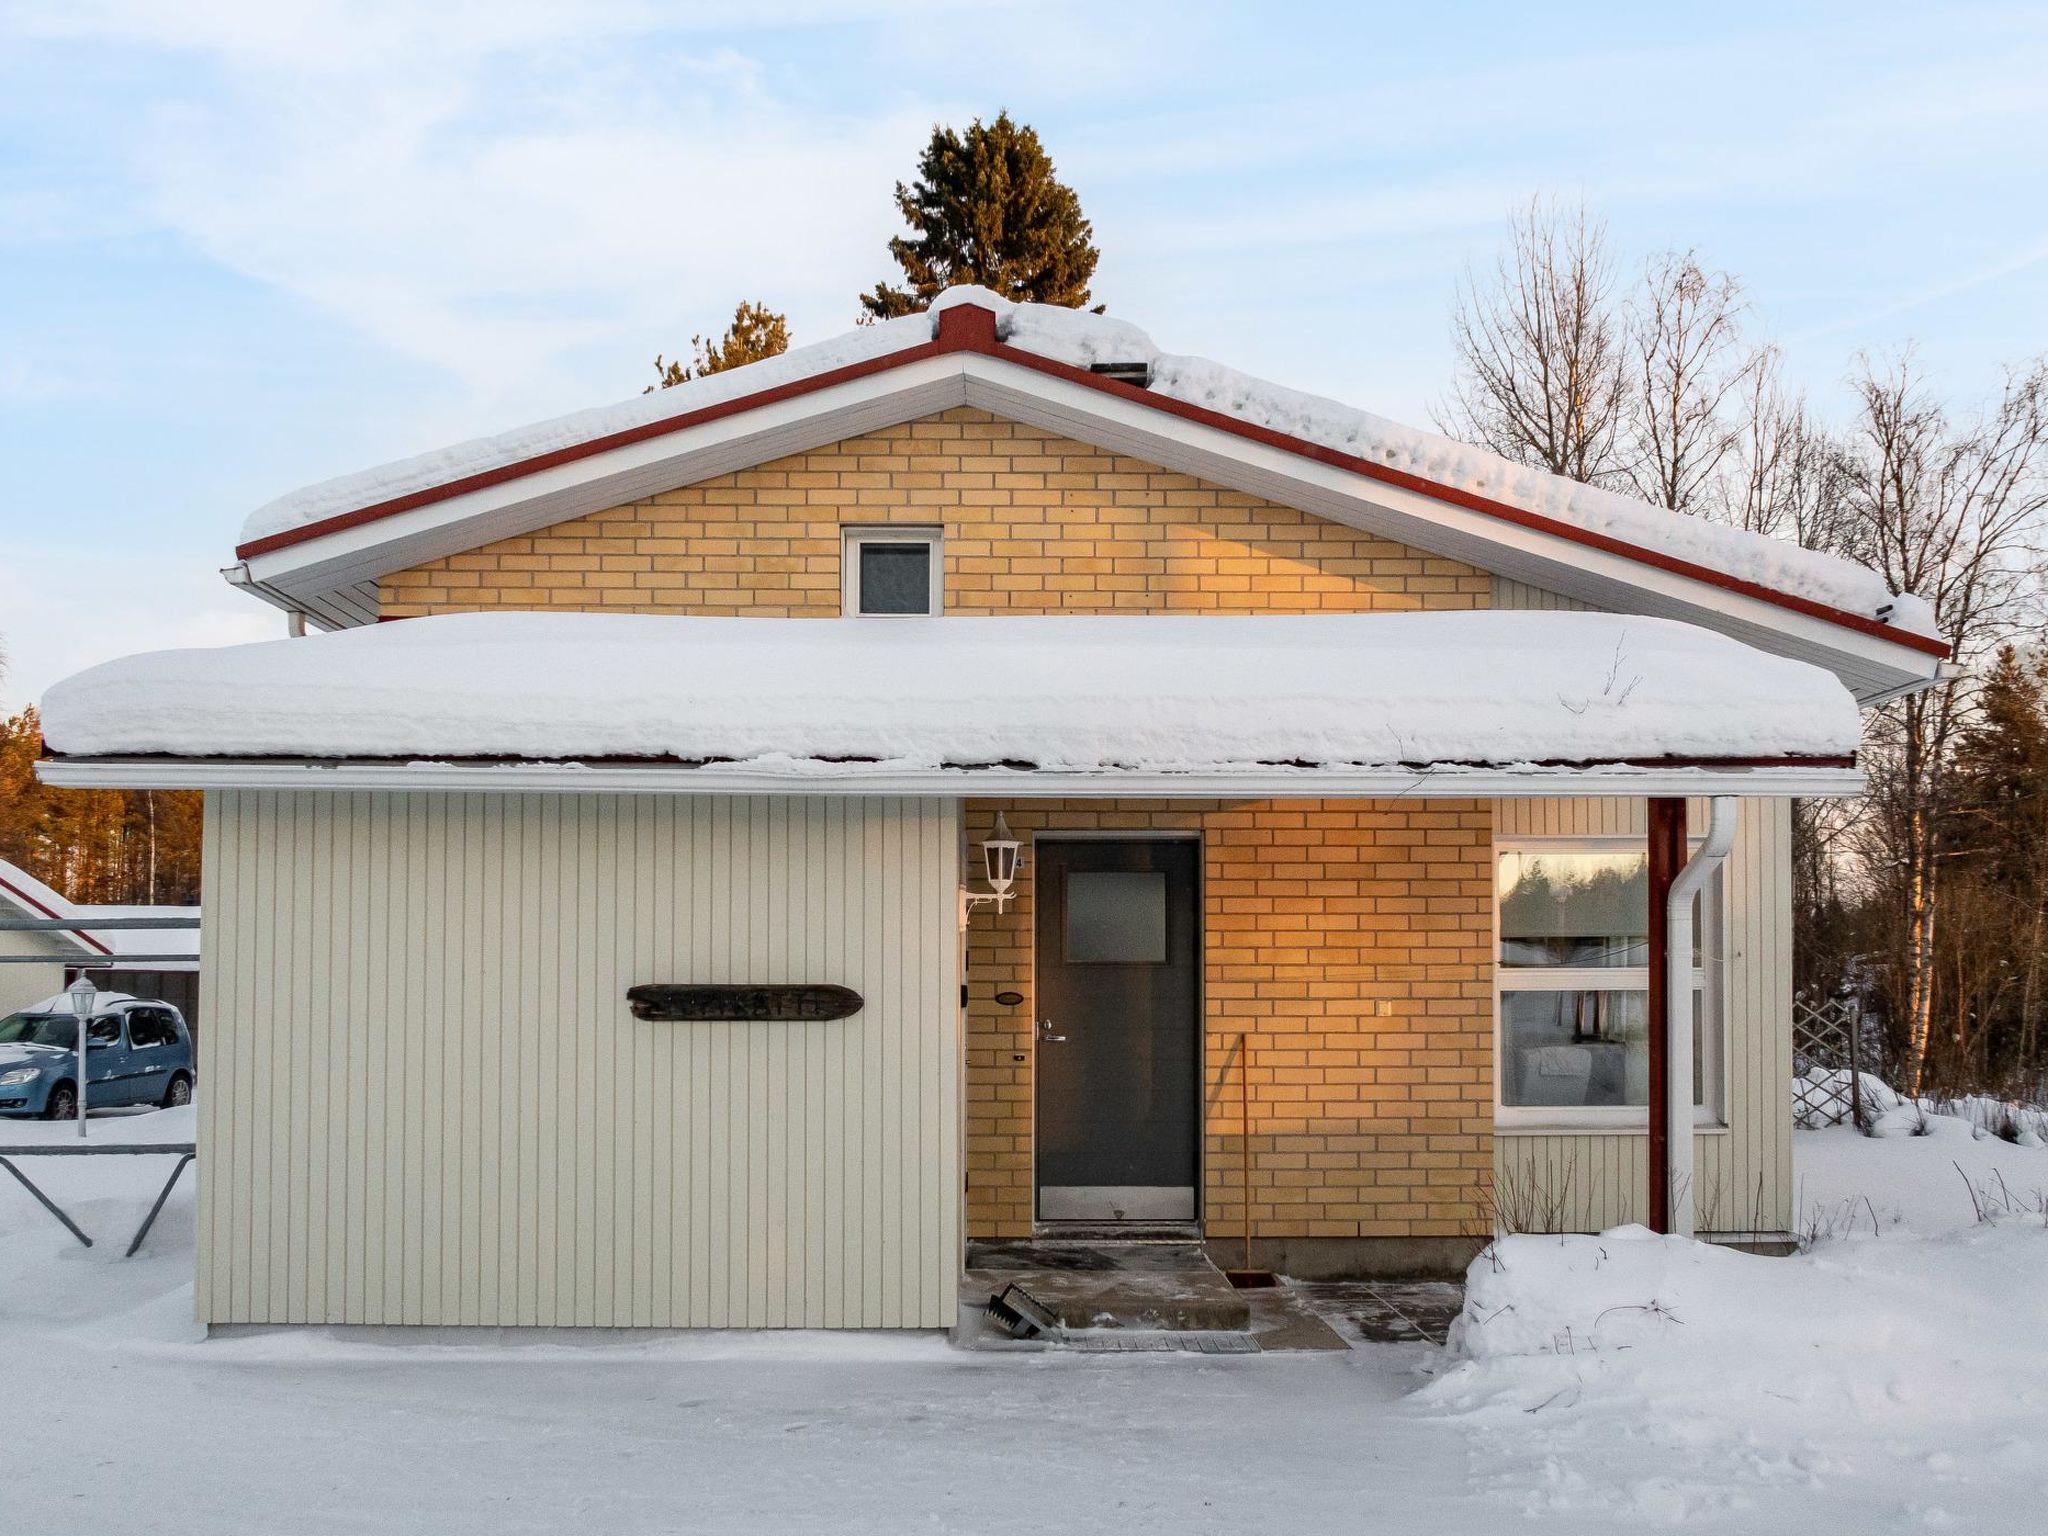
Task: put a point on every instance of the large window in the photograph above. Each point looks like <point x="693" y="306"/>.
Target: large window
<point x="1574" y="983"/>
<point x="892" y="572"/>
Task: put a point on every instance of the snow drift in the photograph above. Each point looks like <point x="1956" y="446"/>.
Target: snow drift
<point x="1159" y="693"/>
<point x="1876" y="1327"/>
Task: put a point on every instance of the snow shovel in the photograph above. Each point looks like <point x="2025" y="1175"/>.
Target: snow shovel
<point x="1022" y="1315"/>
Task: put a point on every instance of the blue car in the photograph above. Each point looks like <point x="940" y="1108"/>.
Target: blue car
<point x="141" y="1053"/>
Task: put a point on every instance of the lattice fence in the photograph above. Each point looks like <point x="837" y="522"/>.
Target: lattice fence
<point x="1827" y="1062"/>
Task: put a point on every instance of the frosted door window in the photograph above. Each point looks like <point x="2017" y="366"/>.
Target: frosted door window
<point x="1116" y="918"/>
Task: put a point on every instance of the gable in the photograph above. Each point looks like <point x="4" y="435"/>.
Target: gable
<point x="1034" y="521"/>
<point x="322" y="552"/>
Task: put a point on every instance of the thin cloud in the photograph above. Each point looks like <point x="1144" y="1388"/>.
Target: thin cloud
<point x="2032" y="256"/>
<point x="485" y="219"/>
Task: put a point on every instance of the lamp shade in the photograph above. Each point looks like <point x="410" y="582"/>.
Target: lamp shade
<point x="999" y="855"/>
<point x="82" y="994"/>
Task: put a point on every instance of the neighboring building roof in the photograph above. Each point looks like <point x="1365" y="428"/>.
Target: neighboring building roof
<point x="807" y="704"/>
<point x="22" y="892"/>
<point x="322" y="548"/>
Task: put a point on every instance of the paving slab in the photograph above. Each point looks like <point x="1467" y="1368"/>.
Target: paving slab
<point x="1385" y="1311"/>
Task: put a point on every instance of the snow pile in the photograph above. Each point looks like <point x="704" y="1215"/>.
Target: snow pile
<point x="1658" y="1380"/>
<point x="2023" y="1123"/>
<point x="1171" y="694"/>
<point x="1085" y="340"/>
<point x="1919" y="1170"/>
<point x="1821" y="1096"/>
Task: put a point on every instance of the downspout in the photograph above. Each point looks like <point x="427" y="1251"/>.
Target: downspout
<point x="1678" y="941"/>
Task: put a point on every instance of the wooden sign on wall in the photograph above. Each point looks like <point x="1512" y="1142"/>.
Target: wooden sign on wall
<point x="683" y="1003"/>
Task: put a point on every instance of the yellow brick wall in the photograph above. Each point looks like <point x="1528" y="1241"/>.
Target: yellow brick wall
<point x="1351" y="941"/>
<point x="1034" y="523"/>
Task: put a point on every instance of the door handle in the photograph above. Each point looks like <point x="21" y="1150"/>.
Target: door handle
<point x="1045" y="1032"/>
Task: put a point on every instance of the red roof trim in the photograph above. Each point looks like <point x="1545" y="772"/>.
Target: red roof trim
<point x="970" y="328"/>
<point x="27" y="900"/>
<point x="1651" y="764"/>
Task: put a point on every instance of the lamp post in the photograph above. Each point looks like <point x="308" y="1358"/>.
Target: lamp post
<point x="82" y="994"/>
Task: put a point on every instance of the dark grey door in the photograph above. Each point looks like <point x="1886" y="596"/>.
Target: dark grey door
<point x="1119" y="945"/>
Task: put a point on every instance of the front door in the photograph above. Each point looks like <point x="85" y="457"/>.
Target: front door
<point x="1119" y="946"/>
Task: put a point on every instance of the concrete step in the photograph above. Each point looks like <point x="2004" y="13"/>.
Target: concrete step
<point x="1147" y="1286"/>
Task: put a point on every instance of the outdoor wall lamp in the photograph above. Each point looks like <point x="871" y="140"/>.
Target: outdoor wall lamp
<point x="999" y="863"/>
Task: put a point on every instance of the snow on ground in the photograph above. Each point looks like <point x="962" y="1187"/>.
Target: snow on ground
<point x="1876" y="1383"/>
<point x="1926" y="1168"/>
<point x="1169" y="693"/>
<point x="1602" y="1384"/>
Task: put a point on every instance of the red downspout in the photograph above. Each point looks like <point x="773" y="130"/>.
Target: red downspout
<point x="1667" y="858"/>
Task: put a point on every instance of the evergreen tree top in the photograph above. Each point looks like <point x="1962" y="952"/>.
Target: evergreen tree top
<point x="988" y="208"/>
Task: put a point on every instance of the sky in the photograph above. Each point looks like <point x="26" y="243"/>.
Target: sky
<point x="250" y="244"/>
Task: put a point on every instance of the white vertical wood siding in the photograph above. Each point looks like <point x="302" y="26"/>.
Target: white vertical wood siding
<point x="1743" y="1175"/>
<point x="425" y="1101"/>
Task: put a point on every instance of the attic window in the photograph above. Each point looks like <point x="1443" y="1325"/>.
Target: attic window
<point x="1139" y="374"/>
<point x="891" y="572"/>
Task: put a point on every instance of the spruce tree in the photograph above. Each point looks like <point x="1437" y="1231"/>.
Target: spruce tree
<point x="987" y="208"/>
<point x="1998" y="811"/>
<point x="756" y="332"/>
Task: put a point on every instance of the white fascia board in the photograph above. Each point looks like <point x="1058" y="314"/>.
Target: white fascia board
<point x="1447" y="783"/>
<point x="616" y="476"/>
<point x="1488" y="543"/>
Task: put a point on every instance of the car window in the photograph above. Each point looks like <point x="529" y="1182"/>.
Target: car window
<point x="105" y="1030"/>
<point x="147" y="1027"/>
<point x="39" y="1029"/>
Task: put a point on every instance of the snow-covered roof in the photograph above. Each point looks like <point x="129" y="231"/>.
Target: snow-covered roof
<point x="61" y="1002"/>
<point x="809" y="699"/>
<point x="1086" y="341"/>
<point x="24" y="893"/>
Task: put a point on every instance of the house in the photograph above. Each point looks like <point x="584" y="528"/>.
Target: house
<point x="599" y="917"/>
<point x="38" y="961"/>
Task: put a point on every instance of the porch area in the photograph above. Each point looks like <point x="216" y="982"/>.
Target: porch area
<point x="1404" y="1024"/>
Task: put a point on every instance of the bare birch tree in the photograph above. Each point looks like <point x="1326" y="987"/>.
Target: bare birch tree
<point x="1687" y="363"/>
<point x="1542" y="376"/>
<point x="1787" y="475"/>
<point x="1953" y="513"/>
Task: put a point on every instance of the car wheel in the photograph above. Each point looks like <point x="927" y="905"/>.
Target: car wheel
<point x="62" y="1103"/>
<point x="180" y="1092"/>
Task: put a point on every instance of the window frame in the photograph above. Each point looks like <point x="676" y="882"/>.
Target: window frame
<point x="1709" y="983"/>
<point x="163" y="1032"/>
<point x="853" y="538"/>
